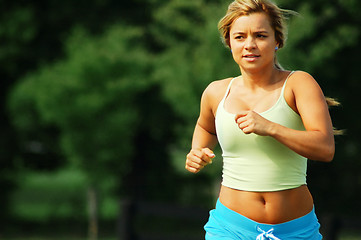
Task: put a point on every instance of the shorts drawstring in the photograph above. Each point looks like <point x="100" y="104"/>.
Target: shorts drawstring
<point x="266" y="235"/>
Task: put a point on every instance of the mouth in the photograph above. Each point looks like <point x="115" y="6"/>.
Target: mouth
<point x="251" y="56"/>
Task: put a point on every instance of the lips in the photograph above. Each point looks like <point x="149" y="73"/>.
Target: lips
<point x="251" y="56"/>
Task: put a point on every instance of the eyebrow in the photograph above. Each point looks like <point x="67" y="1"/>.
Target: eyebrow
<point x="256" y="32"/>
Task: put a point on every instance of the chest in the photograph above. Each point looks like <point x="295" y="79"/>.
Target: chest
<point x="242" y="100"/>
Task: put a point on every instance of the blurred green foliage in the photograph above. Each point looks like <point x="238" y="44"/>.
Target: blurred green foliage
<point x="45" y="196"/>
<point x="90" y="97"/>
<point x="106" y="94"/>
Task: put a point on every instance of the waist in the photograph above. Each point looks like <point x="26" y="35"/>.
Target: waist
<point x="262" y="173"/>
<point x="268" y="207"/>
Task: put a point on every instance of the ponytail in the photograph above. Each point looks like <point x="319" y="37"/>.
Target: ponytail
<point x="331" y="102"/>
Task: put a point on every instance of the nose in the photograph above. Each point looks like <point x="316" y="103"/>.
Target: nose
<point x="250" y="43"/>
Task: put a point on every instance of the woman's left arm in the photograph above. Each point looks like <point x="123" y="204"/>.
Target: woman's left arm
<point x="317" y="141"/>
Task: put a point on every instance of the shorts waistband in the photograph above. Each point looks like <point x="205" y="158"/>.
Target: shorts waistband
<point x="237" y="219"/>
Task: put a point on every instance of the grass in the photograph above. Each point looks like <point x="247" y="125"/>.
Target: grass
<point x="52" y="238"/>
<point x="350" y="236"/>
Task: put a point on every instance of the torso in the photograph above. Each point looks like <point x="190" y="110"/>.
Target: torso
<point x="264" y="207"/>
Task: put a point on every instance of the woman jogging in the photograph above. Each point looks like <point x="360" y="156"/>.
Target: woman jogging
<point x="268" y="122"/>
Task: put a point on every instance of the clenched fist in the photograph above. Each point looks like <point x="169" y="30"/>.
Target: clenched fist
<point x="198" y="158"/>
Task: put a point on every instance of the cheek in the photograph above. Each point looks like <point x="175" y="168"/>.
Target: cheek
<point x="236" y="54"/>
<point x="267" y="48"/>
<point x="236" y="46"/>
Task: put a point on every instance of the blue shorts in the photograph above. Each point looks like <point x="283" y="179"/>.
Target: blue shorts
<point x="226" y="224"/>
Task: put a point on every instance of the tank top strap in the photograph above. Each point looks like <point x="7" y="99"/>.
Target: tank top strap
<point x="284" y="84"/>
<point x="228" y="89"/>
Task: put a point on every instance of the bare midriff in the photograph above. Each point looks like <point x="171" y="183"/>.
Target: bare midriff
<point x="268" y="207"/>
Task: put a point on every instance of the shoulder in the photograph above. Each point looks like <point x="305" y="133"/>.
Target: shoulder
<point x="302" y="88"/>
<point x="302" y="83"/>
<point x="214" y="93"/>
<point x="217" y="88"/>
<point x="301" y="80"/>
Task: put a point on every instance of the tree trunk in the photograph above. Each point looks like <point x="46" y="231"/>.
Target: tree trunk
<point x="330" y="227"/>
<point x="125" y="224"/>
<point x="93" y="214"/>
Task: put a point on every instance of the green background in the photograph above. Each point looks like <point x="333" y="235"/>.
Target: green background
<point x="101" y="97"/>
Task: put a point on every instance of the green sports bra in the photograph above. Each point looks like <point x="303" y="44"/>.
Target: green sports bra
<point x="259" y="163"/>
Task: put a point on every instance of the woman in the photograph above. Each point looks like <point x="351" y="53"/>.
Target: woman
<point x="268" y="121"/>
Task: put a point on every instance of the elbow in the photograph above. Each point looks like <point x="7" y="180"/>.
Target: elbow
<point x="327" y="150"/>
<point x="328" y="158"/>
<point x="328" y="154"/>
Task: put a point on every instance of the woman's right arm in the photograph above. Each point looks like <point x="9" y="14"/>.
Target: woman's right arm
<point x="204" y="136"/>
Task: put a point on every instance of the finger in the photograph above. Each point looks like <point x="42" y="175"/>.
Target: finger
<point x="199" y="164"/>
<point x="192" y="169"/>
<point x="241" y="115"/>
<point x="196" y="159"/>
<point x="196" y="152"/>
<point x="246" y="127"/>
<point x="247" y="130"/>
<point x="199" y="157"/>
<point x="193" y="166"/>
<point x="206" y="159"/>
<point x="209" y="153"/>
<point x="242" y="125"/>
<point x="241" y="120"/>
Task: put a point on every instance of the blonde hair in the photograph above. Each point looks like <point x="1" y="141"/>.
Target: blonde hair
<point x="331" y="102"/>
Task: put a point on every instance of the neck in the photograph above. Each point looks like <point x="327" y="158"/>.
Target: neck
<point x="253" y="79"/>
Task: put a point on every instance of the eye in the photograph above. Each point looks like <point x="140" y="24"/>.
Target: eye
<point x="261" y="36"/>
<point x="239" y="37"/>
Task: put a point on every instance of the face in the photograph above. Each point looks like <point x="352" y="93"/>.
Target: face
<point x="252" y="41"/>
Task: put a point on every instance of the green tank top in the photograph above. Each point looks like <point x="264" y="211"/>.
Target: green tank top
<point x="259" y="163"/>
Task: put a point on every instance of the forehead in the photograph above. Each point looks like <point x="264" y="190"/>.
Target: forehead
<point x="253" y="22"/>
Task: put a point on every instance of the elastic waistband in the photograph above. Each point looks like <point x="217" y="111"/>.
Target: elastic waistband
<point x="237" y="219"/>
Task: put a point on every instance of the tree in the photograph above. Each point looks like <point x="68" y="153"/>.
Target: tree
<point x="33" y="33"/>
<point x="105" y="108"/>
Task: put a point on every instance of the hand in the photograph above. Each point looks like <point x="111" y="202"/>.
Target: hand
<point x="197" y="159"/>
<point x="252" y="122"/>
